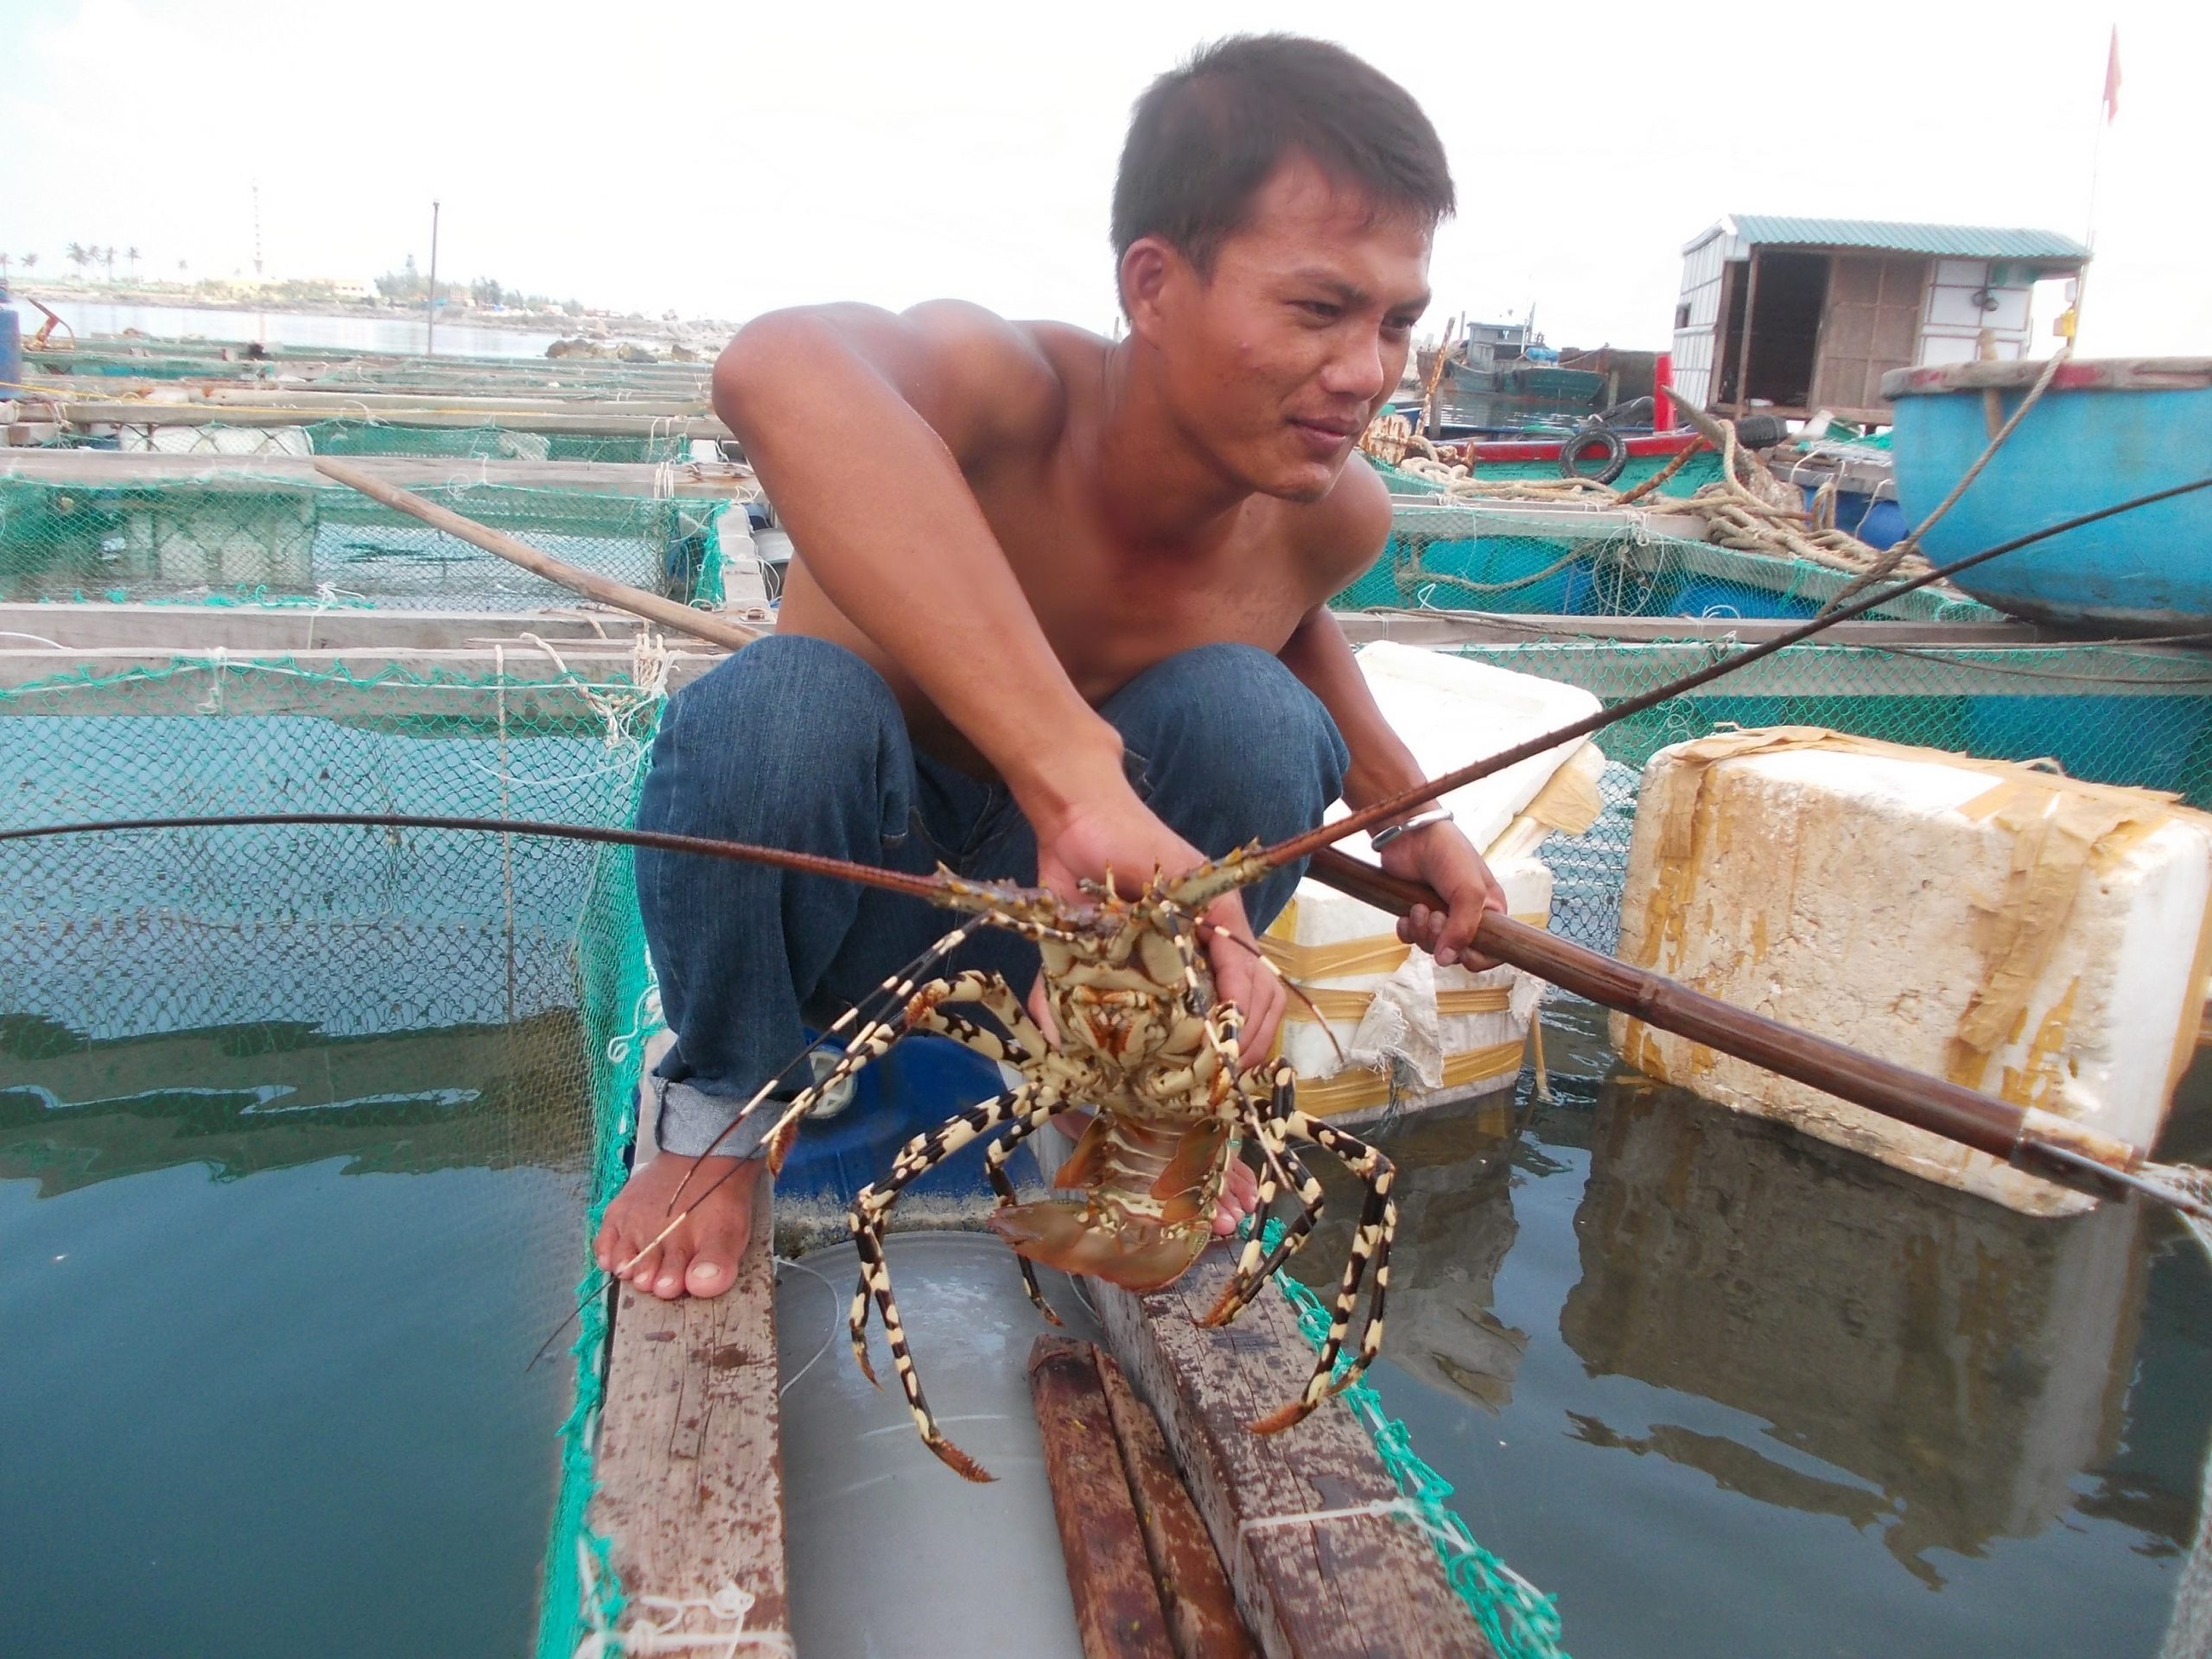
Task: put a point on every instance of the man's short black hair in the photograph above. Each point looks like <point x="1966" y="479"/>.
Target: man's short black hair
<point x="1204" y="138"/>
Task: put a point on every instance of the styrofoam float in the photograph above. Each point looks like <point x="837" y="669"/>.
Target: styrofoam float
<point x="1388" y="1028"/>
<point x="2018" y="932"/>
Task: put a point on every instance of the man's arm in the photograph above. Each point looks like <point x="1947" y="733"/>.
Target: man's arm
<point x="938" y="389"/>
<point x="1382" y="765"/>
<point x="945" y="392"/>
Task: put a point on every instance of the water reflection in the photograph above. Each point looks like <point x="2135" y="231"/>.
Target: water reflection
<point x="1455" y="1226"/>
<point x="1964" y="1362"/>
<point x="242" y="1099"/>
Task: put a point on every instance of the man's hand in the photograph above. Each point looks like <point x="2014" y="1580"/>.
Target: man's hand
<point x="1438" y="856"/>
<point x="1120" y="833"/>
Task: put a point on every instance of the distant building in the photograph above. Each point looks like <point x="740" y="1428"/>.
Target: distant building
<point x="1799" y="314"/>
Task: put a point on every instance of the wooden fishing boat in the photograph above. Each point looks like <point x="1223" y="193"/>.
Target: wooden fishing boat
<point x="2105" y="430"/>
<point x="1505" y="376"/>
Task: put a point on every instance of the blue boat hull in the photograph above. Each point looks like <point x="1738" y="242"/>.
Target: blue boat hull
<point x="2097" y="437"/>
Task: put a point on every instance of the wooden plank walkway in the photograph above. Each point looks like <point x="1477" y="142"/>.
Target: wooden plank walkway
<point x="1341" y="1587"/>
<point x="602" y="423"/>
<point x="689" y="1460"/>
<point x="122" y="469"/>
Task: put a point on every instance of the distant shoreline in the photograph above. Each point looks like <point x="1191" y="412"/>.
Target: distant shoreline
<point x="179" y="299"/>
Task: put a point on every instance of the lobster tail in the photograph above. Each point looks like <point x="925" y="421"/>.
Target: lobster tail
<point x="1140" y="1256"/>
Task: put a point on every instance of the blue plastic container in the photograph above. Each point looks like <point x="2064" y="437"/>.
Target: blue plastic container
<point x="922" y="1082"/>
<point x="2105" y="432"/>
<point x="1876" y="520"/>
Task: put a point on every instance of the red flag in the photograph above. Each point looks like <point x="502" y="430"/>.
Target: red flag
<point x="2111" y="76"/>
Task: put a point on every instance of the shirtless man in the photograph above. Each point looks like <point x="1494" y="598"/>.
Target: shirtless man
<point x="1063" y="601"/>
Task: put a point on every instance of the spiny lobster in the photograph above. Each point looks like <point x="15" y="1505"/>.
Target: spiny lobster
<point x="1142" y="1040"/>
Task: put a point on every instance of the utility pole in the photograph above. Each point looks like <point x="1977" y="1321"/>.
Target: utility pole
<point x="430" y="331"/>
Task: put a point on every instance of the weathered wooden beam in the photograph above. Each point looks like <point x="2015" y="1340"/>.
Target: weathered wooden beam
<point x="189" y="629"/>
<point x="124" y="469"/>
<point x="371" y="683"/>
<point x="654" y="607"/>
<point x="1477" y="627"/>
<point x="1344" y="1583"/>
<point x="90" y="411"/>
<point x="1117" y="1607"/>
<point x="381" y="401"/>
<point x="1202" y="1617"/>
<point x="690" y="1462"/>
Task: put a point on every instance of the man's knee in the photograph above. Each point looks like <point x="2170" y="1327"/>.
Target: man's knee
<point x="787" y="720"/>
<point x="1232" y="712"/>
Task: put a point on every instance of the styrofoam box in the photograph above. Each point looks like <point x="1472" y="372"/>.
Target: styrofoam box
<point x="1863" y="896"/>
<point x="1449" y="712"/>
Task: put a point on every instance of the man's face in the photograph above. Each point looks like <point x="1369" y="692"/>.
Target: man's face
<point x="1276" y="361"/>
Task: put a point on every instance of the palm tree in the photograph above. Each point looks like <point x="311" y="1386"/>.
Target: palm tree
<point x="4" y="262"/>
<point x="31" y="261"/>
<point x="78" y="255"/>
<point x="130" y="254"/>
<point x="107" y="258"/>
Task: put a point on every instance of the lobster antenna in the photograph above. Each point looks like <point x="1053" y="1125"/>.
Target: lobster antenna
<point x="942" y="889"/>
<point x="879" y="997"/>
<point x="1288" y="983"/>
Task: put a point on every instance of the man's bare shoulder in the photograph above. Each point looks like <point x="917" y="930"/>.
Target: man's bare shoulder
<point x="1000" y="382"/>
<point x="1339" y="535"/>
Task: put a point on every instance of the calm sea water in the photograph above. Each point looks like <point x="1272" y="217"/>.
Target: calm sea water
<point x="1722" y="1390"/>
<point x="269" y="1299"/>
<point x="394" y="333"/>
<point x="1718" y="1388"/>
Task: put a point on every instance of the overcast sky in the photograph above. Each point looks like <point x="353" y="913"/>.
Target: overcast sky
<point x="722" y="159"/>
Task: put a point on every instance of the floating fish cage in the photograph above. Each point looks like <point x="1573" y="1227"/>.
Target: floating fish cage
<point x="231" y="537"/>
<point x="319" y="1003"/>
<point x="1532" y="561"/>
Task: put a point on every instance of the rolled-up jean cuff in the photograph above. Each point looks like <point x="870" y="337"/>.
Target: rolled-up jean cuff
<point x="690" y="1118"/>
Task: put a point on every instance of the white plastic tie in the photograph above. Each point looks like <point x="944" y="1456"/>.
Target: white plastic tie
<point x="214" y="705"/>
<point x="1377" y="1509"/>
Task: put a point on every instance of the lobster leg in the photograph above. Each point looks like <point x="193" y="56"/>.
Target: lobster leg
<point x="1378" y="1226"/>
<point x="1251" y="1271"/>
<point x="992" y="994"/>
<point x="870" y="1044"/>
<point x="1032" y="1104"/>
<point x="924" y="1012"/>
<point x="995" y="1167"/>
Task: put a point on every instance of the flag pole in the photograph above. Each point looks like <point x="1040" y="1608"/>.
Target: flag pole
<point x="2107" y="107"/>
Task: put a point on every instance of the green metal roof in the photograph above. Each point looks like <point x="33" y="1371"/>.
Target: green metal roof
<point x="1955" y="241"/>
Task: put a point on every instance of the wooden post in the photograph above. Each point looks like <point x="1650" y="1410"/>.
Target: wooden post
<point x="1315" y="1575"/>
<point x="1744" y="338"/>
<point x="1201" y="1608"/>
<point x="430" y="317"/>
<point x="703" y="624"/>
<point x="1117" y="1610"/>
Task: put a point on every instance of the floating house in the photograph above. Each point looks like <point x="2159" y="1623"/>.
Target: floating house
<point x="1798" y="314"/>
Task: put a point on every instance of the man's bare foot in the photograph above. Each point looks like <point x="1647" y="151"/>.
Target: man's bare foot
<point x="700" y="1257"/>
<point x="1239" y="1197"/>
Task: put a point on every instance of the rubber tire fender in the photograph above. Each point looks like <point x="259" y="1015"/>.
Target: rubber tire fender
<point x="1577" y="444"/>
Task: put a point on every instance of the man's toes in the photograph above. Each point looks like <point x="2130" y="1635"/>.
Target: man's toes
<point x="668" y="1283"/>
<point x="713" y="1271"/>
<point x="641" y="1272"/>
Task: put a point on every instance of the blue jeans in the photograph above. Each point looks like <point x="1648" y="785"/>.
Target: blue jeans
<point x="796" y="742"/>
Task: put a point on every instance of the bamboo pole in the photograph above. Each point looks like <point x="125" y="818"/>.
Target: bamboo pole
<point x="704" y="625"/>
<point x="2050" y="1145"/>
